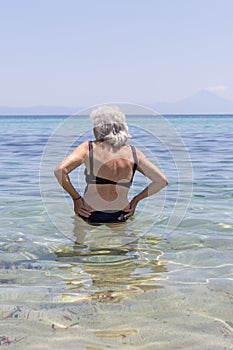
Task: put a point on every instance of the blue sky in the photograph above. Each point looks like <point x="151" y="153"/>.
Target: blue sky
<point x="80" y="53"/>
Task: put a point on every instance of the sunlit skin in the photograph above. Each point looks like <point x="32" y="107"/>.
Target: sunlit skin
<point x="111" y="163"/>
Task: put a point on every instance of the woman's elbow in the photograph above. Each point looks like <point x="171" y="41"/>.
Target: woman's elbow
<point x="164" y="182"/>
<point x="58" y="171"/>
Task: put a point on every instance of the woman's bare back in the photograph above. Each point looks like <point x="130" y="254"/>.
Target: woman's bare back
<point x="114" y="165"/>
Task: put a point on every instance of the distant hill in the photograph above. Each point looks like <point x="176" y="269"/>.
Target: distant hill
<point x="203" y="102"/>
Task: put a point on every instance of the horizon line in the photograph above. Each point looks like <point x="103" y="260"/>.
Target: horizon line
<point x="82" y="115"/>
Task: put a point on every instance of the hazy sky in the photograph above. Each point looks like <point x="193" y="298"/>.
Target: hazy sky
<point x="76" y="53"/>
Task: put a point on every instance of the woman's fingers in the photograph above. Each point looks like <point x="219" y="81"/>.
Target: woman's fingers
<point x="87" y="207"/>
<point x="83" y="213"/>
<point x="130" y="212"/>
<point x="130" y="209"/>
<point x="81" y="208"/>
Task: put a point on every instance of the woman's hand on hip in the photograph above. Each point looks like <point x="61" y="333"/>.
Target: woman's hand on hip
<point x="82" y="208"/>
<point x="130" y="209"/>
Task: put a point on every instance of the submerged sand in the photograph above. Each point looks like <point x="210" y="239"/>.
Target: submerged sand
<point x="197" y="316"/>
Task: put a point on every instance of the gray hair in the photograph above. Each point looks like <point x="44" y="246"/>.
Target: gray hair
<point x="110" y="124"/>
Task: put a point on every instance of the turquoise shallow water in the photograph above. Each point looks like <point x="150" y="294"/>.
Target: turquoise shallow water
<point x="135" y="286"/>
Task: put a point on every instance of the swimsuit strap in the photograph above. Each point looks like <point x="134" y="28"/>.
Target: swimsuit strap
<point x="135" y="158"/>
<point x="91" y="158"/>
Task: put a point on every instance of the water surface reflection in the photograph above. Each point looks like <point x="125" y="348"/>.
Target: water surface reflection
<point x="110" y="262"/>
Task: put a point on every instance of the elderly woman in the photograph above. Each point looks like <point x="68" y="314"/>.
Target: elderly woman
<point x="110" y="166"/>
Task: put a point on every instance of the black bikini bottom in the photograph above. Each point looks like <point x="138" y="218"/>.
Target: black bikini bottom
<point x="101" y="217"/>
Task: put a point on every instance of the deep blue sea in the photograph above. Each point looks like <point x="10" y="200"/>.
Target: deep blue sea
<point x="161" y="281"/>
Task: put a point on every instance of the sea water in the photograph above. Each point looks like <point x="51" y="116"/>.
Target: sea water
<point x="132" y="286"/>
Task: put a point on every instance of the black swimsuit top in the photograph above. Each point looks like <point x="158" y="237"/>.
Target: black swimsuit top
<point x="92" y="179"/>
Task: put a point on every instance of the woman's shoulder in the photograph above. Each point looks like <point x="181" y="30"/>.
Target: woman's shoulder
<point x="139" y="155"/>
<point x="134" y="149"/>
<point x="82" y="147"/>
<point x="85" y="144"/>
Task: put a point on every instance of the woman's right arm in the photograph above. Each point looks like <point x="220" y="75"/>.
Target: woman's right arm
<point x="72" y="161"/>
<point x="158" y="181"/>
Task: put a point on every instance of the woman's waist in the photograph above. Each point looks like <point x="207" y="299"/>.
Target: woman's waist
<point x="108" y="203"/>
